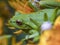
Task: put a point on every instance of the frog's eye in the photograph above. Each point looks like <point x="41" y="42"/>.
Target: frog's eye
<point x="19" y="22"/>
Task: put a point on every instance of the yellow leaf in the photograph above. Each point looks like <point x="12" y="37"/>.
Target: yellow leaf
<point x="57" y="21"/>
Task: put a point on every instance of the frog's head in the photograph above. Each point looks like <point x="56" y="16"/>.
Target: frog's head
<point x="19" y="21"/>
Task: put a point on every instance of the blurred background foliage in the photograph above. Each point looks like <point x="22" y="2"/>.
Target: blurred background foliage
<point x="6" y="12"/>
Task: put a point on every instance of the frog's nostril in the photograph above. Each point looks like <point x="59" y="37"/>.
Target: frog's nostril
<point x="18" y="22"/>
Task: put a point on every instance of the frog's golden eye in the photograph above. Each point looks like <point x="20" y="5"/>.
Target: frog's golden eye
<point x="18" y="22"/>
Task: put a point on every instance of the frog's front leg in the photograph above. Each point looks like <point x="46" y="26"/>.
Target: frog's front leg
<point x="34" y="36"/>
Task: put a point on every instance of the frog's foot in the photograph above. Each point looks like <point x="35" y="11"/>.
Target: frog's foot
<point x="34" y="36"/>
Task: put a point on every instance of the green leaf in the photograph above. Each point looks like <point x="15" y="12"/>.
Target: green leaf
<point x="33" y="7"/>
<point x="49" y="4"/>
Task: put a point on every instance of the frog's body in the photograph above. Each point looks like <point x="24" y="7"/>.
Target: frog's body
<point x="32" y="20"/>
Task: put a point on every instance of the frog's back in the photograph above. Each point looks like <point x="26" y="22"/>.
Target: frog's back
<point x="39" y="16"/>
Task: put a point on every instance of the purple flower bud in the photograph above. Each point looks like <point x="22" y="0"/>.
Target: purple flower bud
<point x="46" y="26"/>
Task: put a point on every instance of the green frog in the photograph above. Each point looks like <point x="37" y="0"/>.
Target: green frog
<point x="30" y="23"/>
